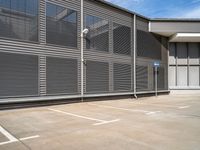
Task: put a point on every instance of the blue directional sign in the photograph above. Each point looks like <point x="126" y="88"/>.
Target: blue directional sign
<point x="156" y="64"/>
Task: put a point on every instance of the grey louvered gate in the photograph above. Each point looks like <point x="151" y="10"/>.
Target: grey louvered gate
<point x="160" y="78"/>
<point x="121" y="39"/>
<point x="97" y="77"/>
<point x="122" y="77"/>
<point x="149" y="48"/>
<point x="18" y="75"/>
<point x="141" y="78"/>
<point x="62" y="76"/>
<point x="107" y="50"/>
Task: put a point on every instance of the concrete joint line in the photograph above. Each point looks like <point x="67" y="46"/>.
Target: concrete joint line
<point x="12" y="138"/>
<point x="99" y="121"/>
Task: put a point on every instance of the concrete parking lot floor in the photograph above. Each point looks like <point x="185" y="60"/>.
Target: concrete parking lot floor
<point x="169" y="122"/>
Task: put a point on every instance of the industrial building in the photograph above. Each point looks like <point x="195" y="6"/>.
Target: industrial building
<point x="63" y="49"/>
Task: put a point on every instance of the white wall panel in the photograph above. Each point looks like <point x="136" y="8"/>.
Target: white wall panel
<point x="182" y="76"/>
<point x="172" y="76"/>
<point x="194" y="76"/>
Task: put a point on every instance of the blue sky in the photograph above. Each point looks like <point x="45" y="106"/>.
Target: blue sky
<point x="162" y="8"/>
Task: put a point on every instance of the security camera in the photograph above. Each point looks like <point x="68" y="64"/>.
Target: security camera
<point x="85" y="31"/>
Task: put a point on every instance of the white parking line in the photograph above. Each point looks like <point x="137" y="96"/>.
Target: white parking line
<point x="7" y="135"/>
<point x="30" y="137"/>
<point x="12" y="138"/>
<point x="100" y="122"/>
<point x="161" y="105"/>
<point x="126" y="109"/>
<point x="106" y="122"/>
<point x="156" y="105"/>
<point x="182" y="107"/>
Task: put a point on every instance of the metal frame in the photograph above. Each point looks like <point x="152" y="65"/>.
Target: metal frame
<point x="134" y="55"/>
<point x="82" y="50"/>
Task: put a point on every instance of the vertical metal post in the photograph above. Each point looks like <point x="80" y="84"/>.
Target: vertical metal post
<point x="176" y="61"/>
<point x="199" y="63"/>
<point x="134" y="56"/>
<point x="168" y="49"/>
<point x="188" y="65"/>
<point x="156" y="81"/>
<point x="82" y="55"/>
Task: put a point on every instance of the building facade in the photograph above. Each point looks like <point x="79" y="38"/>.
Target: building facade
<point x="43" y="55"/>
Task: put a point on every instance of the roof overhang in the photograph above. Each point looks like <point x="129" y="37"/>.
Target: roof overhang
<point x="185" y="37"/>
<point x="177" y="30"/>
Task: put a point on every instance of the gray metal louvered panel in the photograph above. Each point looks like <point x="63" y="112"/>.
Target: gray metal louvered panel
<point x="151" y="47"/>
<point x="142" y="24"/>
<point x="97" y="77"/>
<point x="62" y="76"/>
<point x="148" y="45"/>
<point x="161" y="78"/>
<point x="121" y="39"/>
<point x="18" y="75"/>
<point x="72" y="4"/>
<point x="100" y="8"/>
<point x="141" y="78"/>
<point x="98" y="36"/>
<point x="122" y="77"/>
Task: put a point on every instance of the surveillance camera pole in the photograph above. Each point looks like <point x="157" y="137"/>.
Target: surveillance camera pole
<point x="82" y="55"/>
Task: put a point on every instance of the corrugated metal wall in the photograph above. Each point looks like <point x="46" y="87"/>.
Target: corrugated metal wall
<point x="102" y="63"/>
<point x="184" y="66"/>
<point x="18" y="75"/>
<point x="61" y="76"/>
<point x="108" y="67"/>
<point x="149" y="48"/>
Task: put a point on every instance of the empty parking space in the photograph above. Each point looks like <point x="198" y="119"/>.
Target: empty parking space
<point x="146" y="123"/>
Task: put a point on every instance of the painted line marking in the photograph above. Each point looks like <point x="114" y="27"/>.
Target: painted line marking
<point x="106" y="122"/>
<point x="126" y="109"/>
<point x="158" y="105"/>
<point x="12" y="139"/>
<point x="183" y="107"/>
<point x="30" y="137"/>
<point x="161" y="105"/>
<point x="7" y="142"/>
<point x="8" y="135"/>
<point x="21" y="139"/>
<point x="100" y="122"/>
